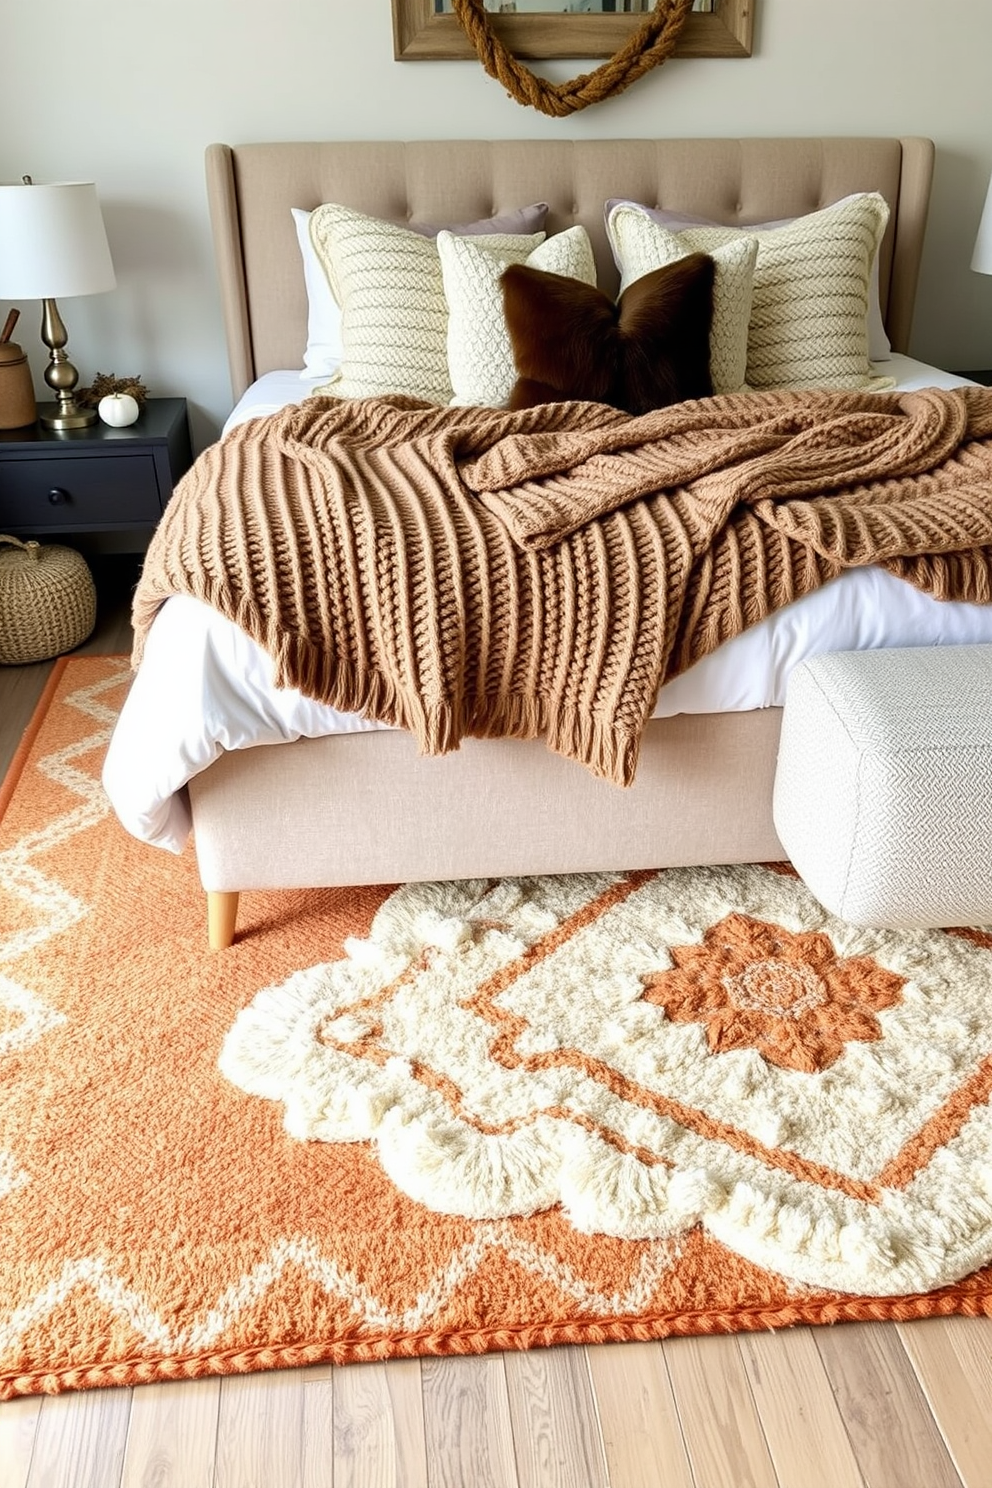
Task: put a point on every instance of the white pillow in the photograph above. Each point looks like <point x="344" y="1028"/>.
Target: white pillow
<point x="394" y="316"/>
<point x="809" y="315"/>
<point x="480" y="354"/>
<point x="324" y="349"/>
<point x="640" y="245"/>
<point x="879" y="345"/>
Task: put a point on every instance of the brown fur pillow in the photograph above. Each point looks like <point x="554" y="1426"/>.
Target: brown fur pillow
<point x="649" y="349"/>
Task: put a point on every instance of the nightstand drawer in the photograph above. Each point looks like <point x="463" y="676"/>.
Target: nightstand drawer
<point x="85" y="491"/>
<point x="95" y="480"/>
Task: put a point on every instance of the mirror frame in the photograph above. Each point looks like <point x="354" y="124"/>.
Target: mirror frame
<point x="419" y="35"/>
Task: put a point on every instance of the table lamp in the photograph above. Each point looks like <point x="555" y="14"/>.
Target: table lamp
<point x="53" y="244"/>
<point x="981" y="259"/>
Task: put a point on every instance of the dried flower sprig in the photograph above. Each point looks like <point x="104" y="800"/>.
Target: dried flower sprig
<point x="105" y="383"/>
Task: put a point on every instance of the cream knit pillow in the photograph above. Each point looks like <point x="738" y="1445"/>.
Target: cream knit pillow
<point x="394" y="317"/>
<point x="480" y="354"/>
<point x="640" y="245"/>
<point x="809" y="315"/>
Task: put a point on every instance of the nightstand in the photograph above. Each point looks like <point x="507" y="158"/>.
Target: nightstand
<point x="94" y="480"/>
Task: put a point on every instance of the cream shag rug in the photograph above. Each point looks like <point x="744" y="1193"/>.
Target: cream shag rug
<point x="654" y="1052"/>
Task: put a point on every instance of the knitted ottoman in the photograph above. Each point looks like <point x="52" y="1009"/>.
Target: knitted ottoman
<point x="883" y="789"/>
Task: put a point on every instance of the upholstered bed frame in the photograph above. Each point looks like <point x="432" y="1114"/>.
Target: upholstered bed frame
<point x="365" y="808"/>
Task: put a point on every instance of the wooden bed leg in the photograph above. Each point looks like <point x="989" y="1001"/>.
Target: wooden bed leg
<point x="222" y="915"/>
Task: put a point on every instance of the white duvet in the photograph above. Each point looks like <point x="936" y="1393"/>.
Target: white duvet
<point x="204" y="686"/>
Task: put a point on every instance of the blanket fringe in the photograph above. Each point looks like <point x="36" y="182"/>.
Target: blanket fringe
<point x="610" y="752"/>
<point x="320" y="674"/>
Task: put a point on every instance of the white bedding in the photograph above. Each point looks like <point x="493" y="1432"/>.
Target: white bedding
<point x="204" y="686"/>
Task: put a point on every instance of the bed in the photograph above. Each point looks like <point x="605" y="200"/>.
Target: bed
<point x="360" y="804"/>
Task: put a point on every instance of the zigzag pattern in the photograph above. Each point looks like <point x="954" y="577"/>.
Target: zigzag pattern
<point x="57" y="908"/>
<point x="441" y="1287"/>
<point x="27" y="1015"/>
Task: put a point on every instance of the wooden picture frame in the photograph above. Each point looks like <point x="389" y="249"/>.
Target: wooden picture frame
<point x="420" y="35"/>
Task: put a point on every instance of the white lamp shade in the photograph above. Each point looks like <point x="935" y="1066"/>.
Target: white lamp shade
<point x="981" y="259"/>
<point x="53" y="242"/>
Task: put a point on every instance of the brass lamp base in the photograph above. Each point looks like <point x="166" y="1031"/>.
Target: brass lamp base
<point x="61" y="376"/>
<point x="53" y="416"/>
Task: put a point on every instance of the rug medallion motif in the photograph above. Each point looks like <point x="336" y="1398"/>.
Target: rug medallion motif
<point x="651" y="1052"/>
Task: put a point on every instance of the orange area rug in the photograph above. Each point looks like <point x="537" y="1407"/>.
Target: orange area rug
<point x="218" y="1162"/>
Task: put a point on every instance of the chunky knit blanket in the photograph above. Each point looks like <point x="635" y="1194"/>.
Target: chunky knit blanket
<point x="476" y="572"/>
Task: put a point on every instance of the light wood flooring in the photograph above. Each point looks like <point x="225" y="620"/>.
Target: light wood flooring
<point x="854" y="1406"/>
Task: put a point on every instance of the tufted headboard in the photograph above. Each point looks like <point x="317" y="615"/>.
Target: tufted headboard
<point x="251" y="189"/>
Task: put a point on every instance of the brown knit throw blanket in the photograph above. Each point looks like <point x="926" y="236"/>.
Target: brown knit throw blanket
<point x="475" y="572"/>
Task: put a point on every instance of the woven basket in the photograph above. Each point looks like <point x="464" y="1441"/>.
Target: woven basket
<point x="47" y="601"/>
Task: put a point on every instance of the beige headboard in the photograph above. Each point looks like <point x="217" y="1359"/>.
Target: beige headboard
<point x="251" y="189"/>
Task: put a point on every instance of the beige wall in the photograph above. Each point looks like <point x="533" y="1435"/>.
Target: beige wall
<point x="129" y="96"/>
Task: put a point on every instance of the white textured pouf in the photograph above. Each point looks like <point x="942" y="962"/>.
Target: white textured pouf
<point x="883" y="789"/>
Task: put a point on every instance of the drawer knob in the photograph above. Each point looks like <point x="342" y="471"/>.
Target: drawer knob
<point x="57" y="496"/>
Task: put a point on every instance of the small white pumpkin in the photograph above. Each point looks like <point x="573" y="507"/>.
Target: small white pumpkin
<point x="118" y="410"/>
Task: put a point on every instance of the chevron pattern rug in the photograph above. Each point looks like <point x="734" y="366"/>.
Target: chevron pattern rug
<point x="455" y="1118"/>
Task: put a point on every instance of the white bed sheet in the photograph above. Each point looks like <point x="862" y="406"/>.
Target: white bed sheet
<point x="204" y="686"/>
<point x="274" y="390"/>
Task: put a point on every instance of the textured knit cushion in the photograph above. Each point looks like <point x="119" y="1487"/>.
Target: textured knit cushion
<point x="480" y="356"/>
<point x="394" y="317"/>
<point x="879" y="345"/>
<point x="650" y="349"/>
<point x="323" y="349"/>
<point x="883" y="789"/>
<point x="639" y="246"/>
<point x="809" y="314"/>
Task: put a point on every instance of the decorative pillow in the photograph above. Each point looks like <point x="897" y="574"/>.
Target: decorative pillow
<point x="570" y="341"/>
<point x="810" y="309"/>
<point x="639" y="246"/>
<point x="480" y="356"/>
<point x="394" y="317"/>
<point x="879" y="345"/>
<point x="324" y="349"/>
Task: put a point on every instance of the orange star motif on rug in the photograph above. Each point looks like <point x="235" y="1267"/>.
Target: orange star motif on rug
<point x="789" y="996"/>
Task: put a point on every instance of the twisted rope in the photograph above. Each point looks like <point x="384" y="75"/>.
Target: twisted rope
<point x="646" y="48"/>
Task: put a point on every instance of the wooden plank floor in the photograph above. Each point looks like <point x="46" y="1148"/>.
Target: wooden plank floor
<point x="855" y="1406"/>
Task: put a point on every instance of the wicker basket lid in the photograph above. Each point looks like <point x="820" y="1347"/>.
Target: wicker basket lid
<point x="47" y="601"/>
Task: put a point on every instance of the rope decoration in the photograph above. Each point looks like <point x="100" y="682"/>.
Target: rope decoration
<point x="646" y="48"/>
